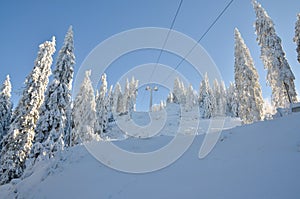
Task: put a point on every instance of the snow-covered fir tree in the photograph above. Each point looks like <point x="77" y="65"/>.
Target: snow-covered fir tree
<point x="110" y="102"/>
<point x="219" y="94"/>
<point x="133" y="93"/>
<point x="5" y="107"/>
<point x="279" y="74"/>
<point x="17" y="144"/>
<point x="54" y="122"/>
<point x="117" y="99"/>
<point x="297" y="36"/>
<point x="222" y="102"/>
<point x="191" y="98"/>
<point x="206" y="99"/>
<point x="179" y="92"/>
<point x="176" y="91"/>
<point x="232" y="101"/>
<point x="247" y="83"/>
<point x="102" y="105"/>
<point x="84" y="113"/>
<point x="126" y="97"/>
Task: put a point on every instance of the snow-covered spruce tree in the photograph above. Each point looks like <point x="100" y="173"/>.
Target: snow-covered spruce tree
<point x="222" y="101"/>
<point x="190" y="98"/>
<point x="126" y="97"/>
<point x="206" y="99"/>
<point x="54" y="122"/>
<point x="219" y="97"/>
<point x="102" y="107"/>
<point x="110" y="103"/>
<point x="247" y="83"/>
<point x="179" y="92"/>
<point x="5" y="107"/>
<point x="279" y="74"/>
<point x="84" y="113"/>
<point x="176" y="91"/>
<point x="297" y="36"/>
<point x="232" y="101"/>
<point x="216" y="93"/>
<point x="17" y="144"/>
<point x="117" y="100"/>
<point x="133" y="93"/>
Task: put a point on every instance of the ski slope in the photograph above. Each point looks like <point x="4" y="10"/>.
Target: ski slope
<point x="261" y="160"/>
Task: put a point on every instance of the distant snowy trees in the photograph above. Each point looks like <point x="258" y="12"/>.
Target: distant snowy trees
<point x="279" y="74"/>
<point x="247" y="83"/>
<point x="5" y="107"/>
<point x="16" y="146"/>
<point x="297" y="36"/>
<point x="53" y="126"/>
<point x="212" y="101"/>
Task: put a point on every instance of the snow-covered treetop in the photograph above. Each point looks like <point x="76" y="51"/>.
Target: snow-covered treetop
<point x="6" y="87"/>
<point x="42" y="65"/>
<point x="103" y="87"/>
<point x="263" y="22"/>
<point x="296" y="39"/>
<point x="240" y="47"/>
<point x="65" y="61"/>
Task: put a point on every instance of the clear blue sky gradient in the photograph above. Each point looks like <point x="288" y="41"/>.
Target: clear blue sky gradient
<point x="26" y="24"/>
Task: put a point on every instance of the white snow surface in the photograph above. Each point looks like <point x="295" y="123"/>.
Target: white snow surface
<point x="261" y="160"/>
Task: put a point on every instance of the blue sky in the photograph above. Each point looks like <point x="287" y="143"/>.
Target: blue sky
<point x="26" y="24"/>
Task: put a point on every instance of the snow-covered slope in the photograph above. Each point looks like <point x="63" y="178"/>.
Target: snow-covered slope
<point x="261" y="160"/>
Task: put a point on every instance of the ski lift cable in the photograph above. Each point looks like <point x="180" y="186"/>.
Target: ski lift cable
<point x="165" y="42"/>
<point x="199" y="40"/>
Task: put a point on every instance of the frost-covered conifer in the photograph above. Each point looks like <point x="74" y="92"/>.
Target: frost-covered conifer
<point x="53" y="126"/>
<point x="222" y="102"/>
<point x="279" y="74"/>
<point x="84" y="113"/>
<point x="133" y="93"/>
<point x="247" y="83"/>
<point x="102" y="105"/>
<point x="17" y="144"/>
<point x="5" y="107"/>
<point x="117" y="99"/>
<point x="126" y="97"/>
<point x="206" y="99"/>
<point x="190" y="98"/>
<point x="232" y="101"/>
<point x="179" y="92"/>
<point x="297" y="36"/>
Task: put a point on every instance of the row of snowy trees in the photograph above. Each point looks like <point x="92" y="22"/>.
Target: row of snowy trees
<point x="46" y="120"/>
<point x="91" y="114"/>
<point x="279" y="74"/>
<point x="244" y="97"/>
<point x="212" y="101"/>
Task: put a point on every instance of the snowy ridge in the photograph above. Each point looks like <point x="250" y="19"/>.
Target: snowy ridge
<point x="260" y="160"/>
